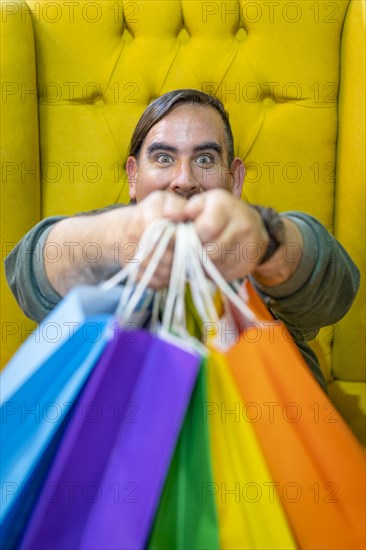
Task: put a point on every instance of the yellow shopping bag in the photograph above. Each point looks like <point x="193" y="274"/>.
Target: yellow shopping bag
<point x="249" y="509"/>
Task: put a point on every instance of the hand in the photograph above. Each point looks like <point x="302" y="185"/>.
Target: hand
<point x="232" y="232"/>
<point x="157" y="205"/>
<point x="115" y="235"/>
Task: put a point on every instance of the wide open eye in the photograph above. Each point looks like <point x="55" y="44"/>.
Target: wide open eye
<point x="163" y="158"/>
<point x="205" y="160"/>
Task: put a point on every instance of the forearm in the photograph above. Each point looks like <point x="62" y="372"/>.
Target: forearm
<point x="60" y="253"/>
<point x="88" y="250"/>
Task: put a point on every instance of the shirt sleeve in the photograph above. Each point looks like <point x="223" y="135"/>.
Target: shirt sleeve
<point x="323" y="287"/>
<point x="25" y="272"/>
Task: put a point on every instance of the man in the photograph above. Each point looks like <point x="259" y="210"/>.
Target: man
<point x="182" y="167"/>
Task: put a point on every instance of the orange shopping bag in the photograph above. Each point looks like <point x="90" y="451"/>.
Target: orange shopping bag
<point x="317" y="464"/>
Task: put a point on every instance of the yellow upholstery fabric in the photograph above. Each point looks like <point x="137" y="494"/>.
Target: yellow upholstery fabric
<point x="277" y="66"/>
<point x="20" y="191"/>
<point x="350" y="398"/>
<point x="350" y="346"/>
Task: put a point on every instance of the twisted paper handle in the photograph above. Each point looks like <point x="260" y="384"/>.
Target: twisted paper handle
<point x="188" y="266"/>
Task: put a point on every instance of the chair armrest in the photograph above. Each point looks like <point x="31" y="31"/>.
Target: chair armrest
<point x="20" y="173"/>
<point x="349" y="349"/>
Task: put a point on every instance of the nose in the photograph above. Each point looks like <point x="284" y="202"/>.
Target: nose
<point x="184" y="182"/>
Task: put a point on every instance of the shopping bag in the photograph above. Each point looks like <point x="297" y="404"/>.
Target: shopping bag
<point x="306" y="443"/>
<point x="60" y="325"/>
<point x="250" y="511"/>
<point x="122" y="461"/>
<point x="187" y="514"/>
<point x="32" y="418"/>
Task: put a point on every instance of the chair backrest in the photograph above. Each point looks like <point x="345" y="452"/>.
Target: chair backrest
<point x="77" y="76"/>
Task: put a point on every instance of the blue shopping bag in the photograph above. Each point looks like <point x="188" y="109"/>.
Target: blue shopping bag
<point x="81" y="303"/>
<point x="39" y="387"/>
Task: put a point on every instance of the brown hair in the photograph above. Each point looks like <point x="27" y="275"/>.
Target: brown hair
<point x="165" y="104"/>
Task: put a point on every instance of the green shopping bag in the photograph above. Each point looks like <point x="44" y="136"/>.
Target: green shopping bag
<point x="185" y="518"/>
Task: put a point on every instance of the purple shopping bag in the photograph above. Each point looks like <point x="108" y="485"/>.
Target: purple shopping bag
<point x="105" y="483"/>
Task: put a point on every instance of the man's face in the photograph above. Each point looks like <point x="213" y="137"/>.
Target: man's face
<point x="185" y="153"/>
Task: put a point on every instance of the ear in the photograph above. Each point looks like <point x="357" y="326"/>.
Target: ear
<point x="237" y="173"/>
<point x="132" y="169"/>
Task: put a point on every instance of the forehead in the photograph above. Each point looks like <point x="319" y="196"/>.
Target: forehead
<point x="188" y="126"/>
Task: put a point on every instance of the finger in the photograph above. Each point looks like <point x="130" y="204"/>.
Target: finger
<point x="173" y="207"/>
<point x="194" y="206"/>
<point x="210" y="224"/>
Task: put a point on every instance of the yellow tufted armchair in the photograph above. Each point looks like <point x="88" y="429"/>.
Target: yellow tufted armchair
<point x="76" y="76"/>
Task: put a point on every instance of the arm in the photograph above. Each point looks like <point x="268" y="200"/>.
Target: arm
<point x="310" y="282"/>
<point x="113" y="237"/>
<point x="59" y="253"/>
<point x="89" y="249"/>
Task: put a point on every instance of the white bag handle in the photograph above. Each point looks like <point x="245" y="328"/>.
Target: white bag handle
<point x="148" y="273"/>
<point x="188" y="266"/>
<point x="217" y="278"/>
<point x="174" y="309"/>
<point x="147" y="242"/>
<point x="157" y="236"/>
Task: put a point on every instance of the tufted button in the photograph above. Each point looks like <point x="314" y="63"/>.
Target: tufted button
<point x="183" y="36"/>
<point x="100" y="102"/>
<point x="268" y="101"/>
<point x="126" y="35"/>
<point x="241" y="34"/>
